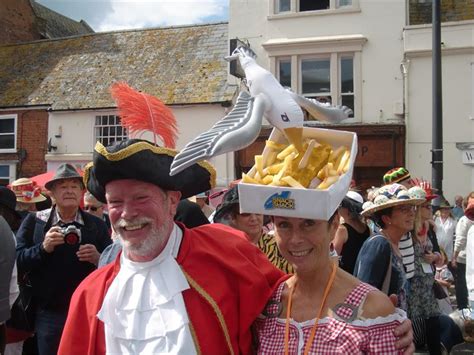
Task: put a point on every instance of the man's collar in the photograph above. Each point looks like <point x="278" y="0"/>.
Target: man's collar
<point x="57" y="218"/>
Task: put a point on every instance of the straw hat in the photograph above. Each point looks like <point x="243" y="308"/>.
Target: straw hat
<point x="27" y="191"/>
<point x="390" y="196"/>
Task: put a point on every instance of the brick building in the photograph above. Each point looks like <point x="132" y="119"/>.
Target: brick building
<point x="24" y="124"/>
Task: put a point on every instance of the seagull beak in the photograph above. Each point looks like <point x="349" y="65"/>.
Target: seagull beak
<point x="295" y="137"/>
<point x="230" y="58"/>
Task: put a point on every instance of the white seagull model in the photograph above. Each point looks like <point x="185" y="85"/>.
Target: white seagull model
<point x="241" y="127"/>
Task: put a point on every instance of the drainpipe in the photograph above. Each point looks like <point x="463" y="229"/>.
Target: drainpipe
<point x="404" y="65"/>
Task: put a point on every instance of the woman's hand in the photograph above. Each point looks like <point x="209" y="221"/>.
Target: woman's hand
<point x="404" y="333"/>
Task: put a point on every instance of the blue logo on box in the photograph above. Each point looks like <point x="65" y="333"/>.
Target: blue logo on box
<point x="280" y="200"/>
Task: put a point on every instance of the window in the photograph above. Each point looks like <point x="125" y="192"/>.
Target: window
<point x="284" y="5"/>
<point x="288" y="6"/>
<point x="108" y="129"/>
<point x="8" y="133"/>
<point x="7" y="173"/>
<point x="310" y="5"/>
<point x="326" y="78"/>
<point x="285" y="72"/>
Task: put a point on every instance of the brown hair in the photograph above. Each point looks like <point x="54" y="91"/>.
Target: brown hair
<point x="471" y="195"/>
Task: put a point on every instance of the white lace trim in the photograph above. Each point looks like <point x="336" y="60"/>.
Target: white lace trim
<point x="144" y="305"/>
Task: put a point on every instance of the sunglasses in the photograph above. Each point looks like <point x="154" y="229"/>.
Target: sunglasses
<point x="92" y="208"/>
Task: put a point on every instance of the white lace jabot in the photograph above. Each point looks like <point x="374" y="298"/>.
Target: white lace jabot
<point x="143" y="310"/>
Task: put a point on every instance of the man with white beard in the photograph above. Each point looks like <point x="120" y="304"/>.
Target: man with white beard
<point x="172" y="289"/>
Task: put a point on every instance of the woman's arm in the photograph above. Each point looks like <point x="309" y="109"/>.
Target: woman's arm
<point x="340" y="239"/>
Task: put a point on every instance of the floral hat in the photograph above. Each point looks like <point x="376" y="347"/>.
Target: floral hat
<point x="390" y="196"/>
<point x="27" y="191"/>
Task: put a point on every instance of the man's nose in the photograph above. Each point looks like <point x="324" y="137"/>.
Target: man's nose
<point x="128" y="212"/>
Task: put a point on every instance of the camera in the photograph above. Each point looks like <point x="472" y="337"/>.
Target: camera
<point x="72" y="235"/>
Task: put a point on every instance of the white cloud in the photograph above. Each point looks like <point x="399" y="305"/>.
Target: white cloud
<point x="155" y="13"/>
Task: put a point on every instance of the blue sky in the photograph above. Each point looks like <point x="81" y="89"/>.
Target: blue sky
<point x="109" y="15"/>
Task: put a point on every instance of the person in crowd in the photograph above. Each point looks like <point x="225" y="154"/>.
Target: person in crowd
<point x="190" y="214"/>
<point x="352" y="233"/>
<point x="423" y="308"/>
<point x="15" y="337"/>
<point x="252" y="225"/>
<point x="469" y="213"/>
<point x="402" y="176"/>
<point x="445" y="227"/>
<point x="173" y="289"/>
<point x="458" y="210"/>
<point x="203" y="201"/>
<point x="96" y="208"/>
<point x="459" y="256"/>
<point x="7" y="264"/>
<point x="445" y="279"/>
<point x="321" y="308"/>
<point x="380" y="262"/>
<point x="27" y="195"/>
<point x="57" y="249"/>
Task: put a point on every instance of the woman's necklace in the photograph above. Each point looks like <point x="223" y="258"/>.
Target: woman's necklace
<point x="315" y="326"/>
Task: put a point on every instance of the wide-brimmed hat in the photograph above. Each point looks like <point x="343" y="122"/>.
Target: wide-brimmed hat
<point x="26" y="191"/>
<point x="396" y="175"/>
<point x="64" y="171"/>
<point x="444" y="203"/>
<point x="144" y="161"/>
<point x="8" y="199"/>
<point x="390" y="196"/>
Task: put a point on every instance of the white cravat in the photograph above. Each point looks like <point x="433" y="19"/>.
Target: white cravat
<point x="143" y="310"/>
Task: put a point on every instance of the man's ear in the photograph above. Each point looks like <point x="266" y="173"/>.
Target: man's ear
<point x="173" y="197"/>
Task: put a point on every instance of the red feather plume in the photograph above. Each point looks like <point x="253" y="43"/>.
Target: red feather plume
<point x="142" y="112"/>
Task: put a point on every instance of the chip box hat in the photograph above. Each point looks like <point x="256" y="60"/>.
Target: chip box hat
<point x="396" y="175"/>
<point x="26" y="191"/>
<point x="390" y="196"/>
<point x="64" y="171"/>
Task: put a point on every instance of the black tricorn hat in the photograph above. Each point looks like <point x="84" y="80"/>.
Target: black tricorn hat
<point x="142" y="160"/>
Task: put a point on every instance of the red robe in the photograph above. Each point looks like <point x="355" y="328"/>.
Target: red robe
<point x="230" y="283"/>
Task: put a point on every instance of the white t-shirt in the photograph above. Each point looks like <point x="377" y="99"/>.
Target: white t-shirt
<point x="445" y="234"/>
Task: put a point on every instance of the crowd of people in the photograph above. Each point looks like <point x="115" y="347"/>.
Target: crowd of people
<point x="123" y="262"/>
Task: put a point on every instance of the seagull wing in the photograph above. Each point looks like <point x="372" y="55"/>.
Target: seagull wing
<point x="322" y="112"/>
<point x="238" y="129"/>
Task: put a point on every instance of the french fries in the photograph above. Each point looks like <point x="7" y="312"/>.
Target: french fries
<point x="317" y="166"/>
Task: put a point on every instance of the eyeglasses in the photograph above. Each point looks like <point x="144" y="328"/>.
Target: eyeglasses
<point x="429" y="207"/>
<point x="92" y="208"/>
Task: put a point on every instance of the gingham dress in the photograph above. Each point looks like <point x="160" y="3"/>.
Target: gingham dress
<point x="339" y="335"/>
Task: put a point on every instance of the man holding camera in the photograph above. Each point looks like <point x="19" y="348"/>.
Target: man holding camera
<point x="56" y="249"/>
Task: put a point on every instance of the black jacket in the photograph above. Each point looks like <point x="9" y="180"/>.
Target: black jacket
<point x="54" y="276"/>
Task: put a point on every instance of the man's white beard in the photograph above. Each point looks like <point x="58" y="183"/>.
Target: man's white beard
<point x="157" y="237"/>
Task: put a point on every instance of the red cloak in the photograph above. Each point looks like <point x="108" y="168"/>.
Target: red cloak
<point x="230" y="282"/>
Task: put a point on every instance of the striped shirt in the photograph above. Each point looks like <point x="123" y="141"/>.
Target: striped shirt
<point x="408" y="254"/>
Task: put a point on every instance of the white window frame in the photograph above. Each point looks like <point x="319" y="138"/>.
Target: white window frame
<point x="15" y="128"/>
<point x="11" y="170"/>
<point x="101" y="137"/>
<point x="333" y="47"/>
<point x="334" y="7"/>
